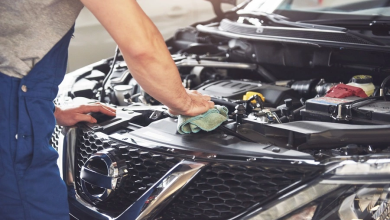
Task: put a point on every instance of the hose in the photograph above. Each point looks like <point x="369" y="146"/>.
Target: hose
<point x="103" y="93"/>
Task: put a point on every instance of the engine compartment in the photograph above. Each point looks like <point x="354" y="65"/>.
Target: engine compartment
<point x="274" y="92"/>
<point x="303" y="105"/>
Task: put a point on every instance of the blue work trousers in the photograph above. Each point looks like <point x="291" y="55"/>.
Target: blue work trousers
<point x="30" y="184"/>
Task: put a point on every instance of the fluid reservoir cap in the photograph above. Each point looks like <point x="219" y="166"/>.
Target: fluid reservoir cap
<point x="362" y="79"/>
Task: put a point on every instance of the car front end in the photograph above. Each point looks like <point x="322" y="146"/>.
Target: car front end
<point x="289" y="149"/>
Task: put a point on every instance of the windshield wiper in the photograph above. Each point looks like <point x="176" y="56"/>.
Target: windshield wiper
<point x="275" y="19"/>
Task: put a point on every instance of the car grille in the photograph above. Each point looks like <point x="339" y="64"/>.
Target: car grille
<point x="144" y="169"/>
<point x="222" y="190"/>
<point x="56" y="137"/>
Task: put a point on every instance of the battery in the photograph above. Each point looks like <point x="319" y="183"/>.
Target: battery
<point x="375" y="112"/>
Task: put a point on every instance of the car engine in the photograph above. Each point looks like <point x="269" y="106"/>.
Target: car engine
<point x="293" y="109"/>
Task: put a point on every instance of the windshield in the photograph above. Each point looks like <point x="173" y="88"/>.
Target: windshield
<point x="343" y="7"/>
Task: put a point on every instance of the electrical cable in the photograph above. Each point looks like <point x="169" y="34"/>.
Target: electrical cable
<point x="103" y="93"/>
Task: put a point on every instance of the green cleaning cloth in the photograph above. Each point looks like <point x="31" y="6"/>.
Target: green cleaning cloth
<point x="207" y="121"/>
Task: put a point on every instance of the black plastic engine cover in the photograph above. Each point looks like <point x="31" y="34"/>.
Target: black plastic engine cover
<point x="235" y="89"/>
<point x="369" y="112"/>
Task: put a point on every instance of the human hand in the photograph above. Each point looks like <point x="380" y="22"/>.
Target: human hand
<point x="71" y="116"/>
<point x="197" y="104"/>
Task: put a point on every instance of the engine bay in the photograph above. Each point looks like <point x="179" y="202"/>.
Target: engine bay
<point x="315" y="101"/>
<point x="308" y="124"/>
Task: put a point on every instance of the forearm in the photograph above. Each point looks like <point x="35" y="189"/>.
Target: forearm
<point x="156" y="72"/>
<point x="144" y="50"/>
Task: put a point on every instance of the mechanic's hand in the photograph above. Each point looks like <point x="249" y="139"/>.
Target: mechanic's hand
<point x="71" y="116"/>
<point x="197" y="104"/>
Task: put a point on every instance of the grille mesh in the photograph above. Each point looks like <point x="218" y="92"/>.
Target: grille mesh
<point x="225" y="190"/>
<point x="221" y="191"/>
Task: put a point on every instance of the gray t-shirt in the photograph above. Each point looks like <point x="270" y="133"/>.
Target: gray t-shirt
<point x="30" y="28"/>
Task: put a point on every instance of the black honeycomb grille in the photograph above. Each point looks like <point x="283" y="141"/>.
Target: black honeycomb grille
<point x="221" y="191"/>
<point x="144" y="169"/>
<point x="225" y="190"/>
<point x="56" y="137"/>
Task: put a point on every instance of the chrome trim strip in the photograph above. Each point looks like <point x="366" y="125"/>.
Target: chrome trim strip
<point x="70" y="141"/>
<point x="60" y="150"/>
<point x="69" y="178"/>
<point x="149" y="205"/>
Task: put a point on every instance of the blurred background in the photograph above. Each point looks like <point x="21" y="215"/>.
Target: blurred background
<point x="92" y="42"/>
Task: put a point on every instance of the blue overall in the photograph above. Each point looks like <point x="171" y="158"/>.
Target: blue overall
<point x="30" y="183"/>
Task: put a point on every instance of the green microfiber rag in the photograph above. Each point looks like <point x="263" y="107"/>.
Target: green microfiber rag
<point x="207" y="121"/>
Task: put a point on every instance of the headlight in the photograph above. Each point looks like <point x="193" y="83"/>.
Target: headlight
<point x="348" y="190"/>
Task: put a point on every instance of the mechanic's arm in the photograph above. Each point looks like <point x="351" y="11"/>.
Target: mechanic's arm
<point x="147" y="56"/>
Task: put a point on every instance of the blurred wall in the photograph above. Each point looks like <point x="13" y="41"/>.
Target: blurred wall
<point x="92" y="42"/>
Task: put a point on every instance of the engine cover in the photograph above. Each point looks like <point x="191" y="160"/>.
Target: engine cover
<point x="374" y="112"/>
<point x="236" y="89"/>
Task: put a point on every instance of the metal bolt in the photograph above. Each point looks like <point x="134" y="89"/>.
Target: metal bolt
<point x="276" y="150"/>
<point x="130" y="112"/>
<point x="339" y="113"/>
<point x="123" y="139"/>
<point x="252" y="159"/>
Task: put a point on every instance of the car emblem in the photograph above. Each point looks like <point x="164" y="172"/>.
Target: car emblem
<point x="101" y="174"/>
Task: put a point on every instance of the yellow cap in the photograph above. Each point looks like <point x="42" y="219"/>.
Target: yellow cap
<point x="250" y="94"/>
